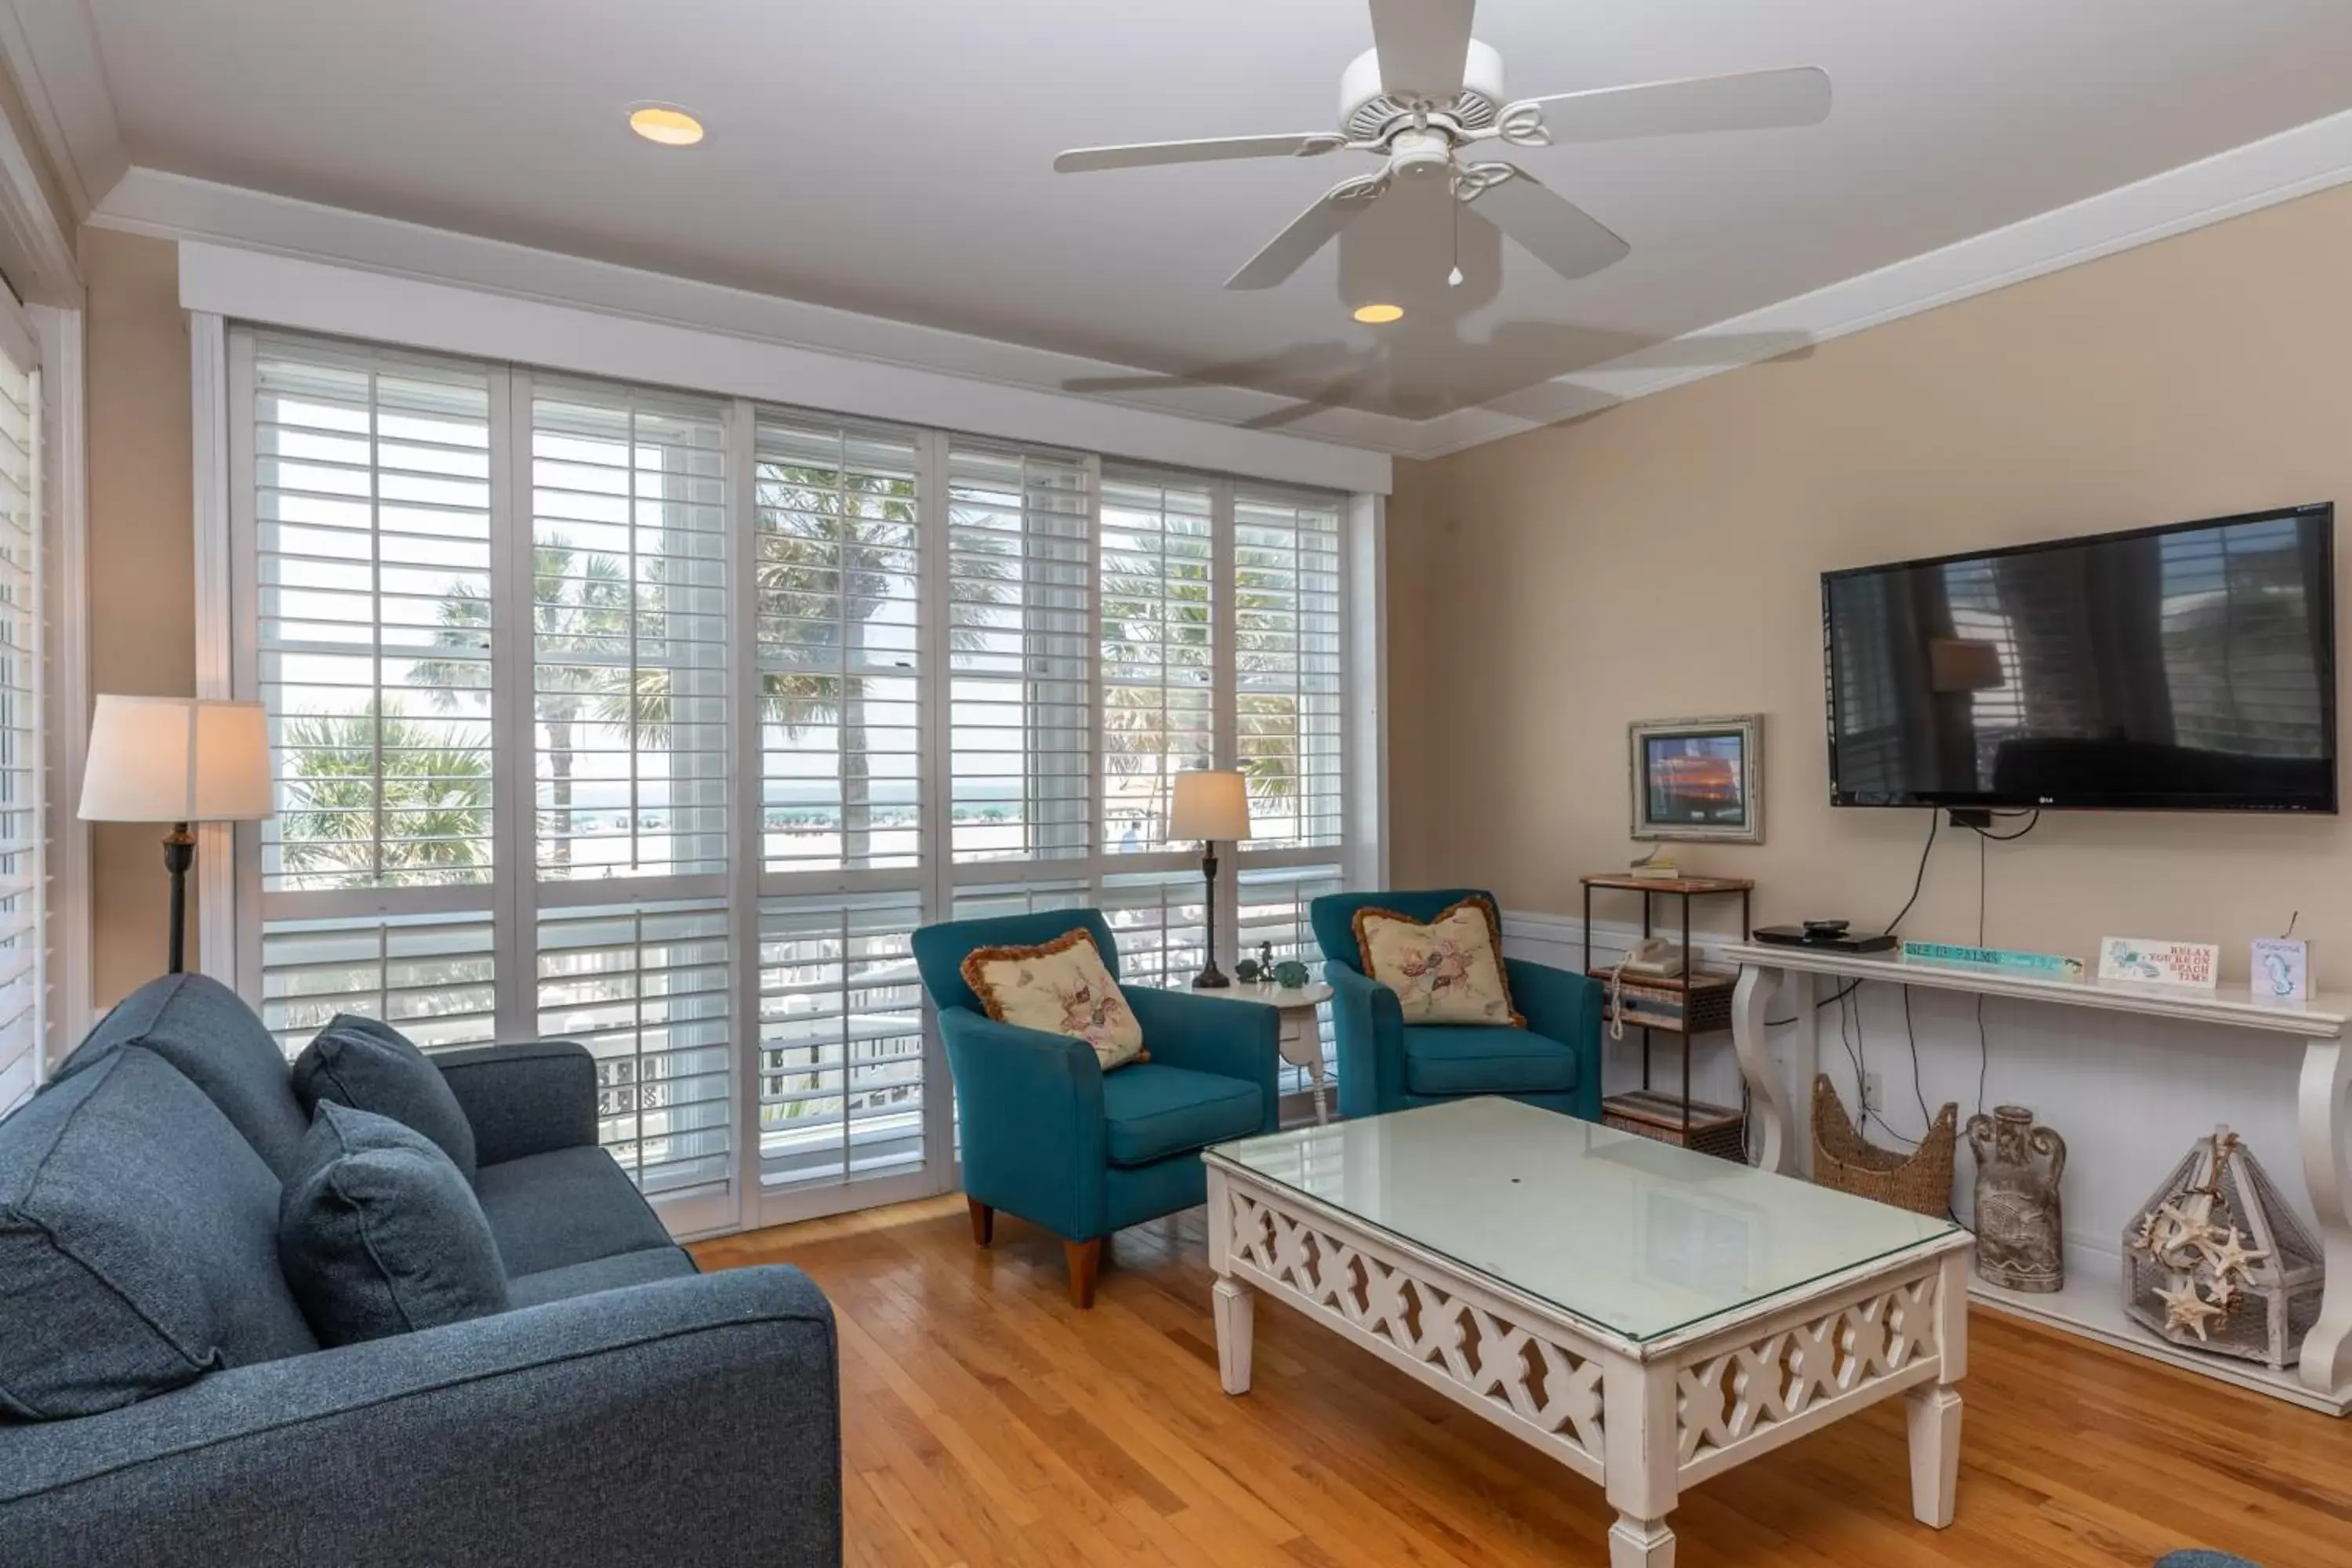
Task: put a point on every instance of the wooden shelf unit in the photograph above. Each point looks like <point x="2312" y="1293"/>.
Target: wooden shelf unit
<point x="1704" y="998"/>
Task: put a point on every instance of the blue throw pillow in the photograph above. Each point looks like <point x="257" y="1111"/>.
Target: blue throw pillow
<point x="137" y="1242"/>
<point x="370" y="1065"/>
<point x="378" y="1232"/>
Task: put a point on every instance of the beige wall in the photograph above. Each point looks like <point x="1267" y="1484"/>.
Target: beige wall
<point x="1663" y="560"/>
<point x="141" y="558"/>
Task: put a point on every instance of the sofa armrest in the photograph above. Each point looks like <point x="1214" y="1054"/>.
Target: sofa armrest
<point x="691" y="1420"/>
<point x="1368" y="1025"/>
<point x="1213" y="1035"/>
<point x="1034" y="1143"/>
<point x="1561" y="1005"/>
<point x="524" y="1100"/>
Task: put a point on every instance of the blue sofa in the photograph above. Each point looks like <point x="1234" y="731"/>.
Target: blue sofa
<point x="626" y="1411"/>
<point x="1050" y="1137"/>
<point x="1386" y="1063"/>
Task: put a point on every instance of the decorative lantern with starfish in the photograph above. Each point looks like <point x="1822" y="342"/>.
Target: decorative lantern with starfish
<point x="2218" y="1259"/>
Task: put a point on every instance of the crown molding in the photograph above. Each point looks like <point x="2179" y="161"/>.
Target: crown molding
<point x="174" y="206"/>
<point x="2301" y="162"/>
<point x="51" y="50"/>
<point x="2280" y="168"/>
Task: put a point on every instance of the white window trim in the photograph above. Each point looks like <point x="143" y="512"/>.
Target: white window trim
<point x="480" y="324"/>
<point x="66" y="646"/>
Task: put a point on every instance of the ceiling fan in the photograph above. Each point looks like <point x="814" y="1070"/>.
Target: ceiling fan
<point x="1427" y="97"/>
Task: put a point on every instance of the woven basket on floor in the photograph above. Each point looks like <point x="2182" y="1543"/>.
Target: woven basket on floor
<point x="1920" y="1180"/>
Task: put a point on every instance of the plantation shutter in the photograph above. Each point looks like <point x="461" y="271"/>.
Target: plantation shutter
<point x="372" y="621"/>
<point x="22" y="875"/>
<point x="838" y="559"/>
<point x="1020" y="618"/>
<point x="1158" y="706"/>
<point x="629" y="627"/>
<point x="1286" y="700"/>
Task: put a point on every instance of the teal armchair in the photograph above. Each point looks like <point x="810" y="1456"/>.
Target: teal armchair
<point x="1386" y="1063"/>
<point x="1051" y="1138"/>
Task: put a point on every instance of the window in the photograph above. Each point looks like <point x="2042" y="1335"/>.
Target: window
<point x="1286" y="667"/>
<point x="1158" y="717"/>
<point x="659" y="722"/>
<point x="23" y="736"/>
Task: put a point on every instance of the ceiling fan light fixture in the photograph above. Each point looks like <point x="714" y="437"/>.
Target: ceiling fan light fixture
<point x="665" y="124"/>
<point x="1379" y="315"/>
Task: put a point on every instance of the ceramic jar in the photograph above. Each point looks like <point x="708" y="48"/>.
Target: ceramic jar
<point x="2020" y="1241"/>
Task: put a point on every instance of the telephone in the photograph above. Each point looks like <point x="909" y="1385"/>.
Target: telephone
<point x="1652" y="958"/>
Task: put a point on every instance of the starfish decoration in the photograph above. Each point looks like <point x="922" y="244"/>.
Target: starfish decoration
<point x="2185" y="1308"/>
<point x="2175" y="1233"/>
<point x="2144" y="1238"/>
<point x="2222" y="1293"/>
<point x="2232" y="1256"/>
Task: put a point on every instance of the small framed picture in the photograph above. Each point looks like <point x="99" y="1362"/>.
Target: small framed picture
<point x="1699" y="779"/>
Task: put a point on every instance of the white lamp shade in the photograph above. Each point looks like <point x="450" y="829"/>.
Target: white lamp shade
<point x="1210" y="805"/>
<point x="176" y="759"/>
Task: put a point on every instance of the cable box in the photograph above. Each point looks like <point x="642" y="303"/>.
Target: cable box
<point x="1831" y="936"/>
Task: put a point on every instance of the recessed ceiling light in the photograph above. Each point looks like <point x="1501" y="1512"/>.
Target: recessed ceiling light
<point x="669" y="127"/>
<point x="1379" y="315"/>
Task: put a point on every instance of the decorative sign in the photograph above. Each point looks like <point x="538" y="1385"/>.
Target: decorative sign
<point x="2281" y="969"/>
<point x="2194" y="966"/>
<point x="2056" y="967"/>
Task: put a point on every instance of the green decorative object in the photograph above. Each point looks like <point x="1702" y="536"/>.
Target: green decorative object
<point x="1290" y="975"/>
<point x="2053" y="966"/>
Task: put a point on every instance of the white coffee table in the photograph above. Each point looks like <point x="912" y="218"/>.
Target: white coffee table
<point x="1301" y="1039"/>
<point x="1646" y="1315"/>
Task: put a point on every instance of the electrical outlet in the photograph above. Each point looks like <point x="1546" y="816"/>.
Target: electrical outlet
<point x="1874" y="1093"/>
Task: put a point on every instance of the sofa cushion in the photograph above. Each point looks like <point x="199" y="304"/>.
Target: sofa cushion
<point x="1477" y="1058"/>
<point x="1152" y="1110"/>
<point x="380" y="1234"/>
<point x="565" y="1207"/>
<point x="200" y="1027"/>
<point x="138" y="1244"/>
<point x="600" y="1274"/>
<point x="370" y="1065"/>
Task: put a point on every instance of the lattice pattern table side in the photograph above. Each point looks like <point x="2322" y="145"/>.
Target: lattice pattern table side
<point x="1735" y="1399"/>
<point x="1528" y="1374"/>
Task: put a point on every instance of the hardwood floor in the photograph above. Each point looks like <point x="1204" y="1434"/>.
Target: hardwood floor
<point x="987" y="1421"/>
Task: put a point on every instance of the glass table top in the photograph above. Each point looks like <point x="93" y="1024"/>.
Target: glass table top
<point x="1633" y="1235"/>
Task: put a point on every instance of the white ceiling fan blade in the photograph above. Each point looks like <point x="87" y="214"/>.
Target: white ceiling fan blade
<point x="1751" y="100"/>
<point x="1143" y="154"/>
<point x="1422" y="47"/>
<point x="1558" y="233"/>
<point x="1309" y="232"/>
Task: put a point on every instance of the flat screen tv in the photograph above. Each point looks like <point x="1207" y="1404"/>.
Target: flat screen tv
<point x="2183" y="668"/>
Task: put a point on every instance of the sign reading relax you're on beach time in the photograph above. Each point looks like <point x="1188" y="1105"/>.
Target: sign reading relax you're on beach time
<point x="2194" y="965"/>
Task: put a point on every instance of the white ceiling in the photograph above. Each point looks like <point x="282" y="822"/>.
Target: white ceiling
<point x="892" y="156"/>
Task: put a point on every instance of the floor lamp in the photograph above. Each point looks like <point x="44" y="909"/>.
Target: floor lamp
<point x="179" y="760"/>
<point x="1210" y="805"/>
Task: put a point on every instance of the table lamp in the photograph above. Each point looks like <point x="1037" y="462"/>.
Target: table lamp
<point x="1210" y="806"/>
<point x="177" y="760"/>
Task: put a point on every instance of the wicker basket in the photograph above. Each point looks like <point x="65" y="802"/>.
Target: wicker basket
<point x="1920" y="1180"/>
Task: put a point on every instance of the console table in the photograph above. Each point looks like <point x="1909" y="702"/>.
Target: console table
<point x="2322" y="1379"/>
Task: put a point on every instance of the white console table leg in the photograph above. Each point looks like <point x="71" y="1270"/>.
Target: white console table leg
<point x="2325" y="1366"/>
<point x="1752" y="1041"/>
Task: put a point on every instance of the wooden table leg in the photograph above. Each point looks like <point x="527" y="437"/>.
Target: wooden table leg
<point x="2326" y="1361"/>
<point x="1768" y="1097"/>
<point x="1236" y="1312"/>
<point x="1933" y="1411"/>
<point x="1639" y="1470"/>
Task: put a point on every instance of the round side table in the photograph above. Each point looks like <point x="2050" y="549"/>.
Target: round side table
<point x="1302" y="1032"/>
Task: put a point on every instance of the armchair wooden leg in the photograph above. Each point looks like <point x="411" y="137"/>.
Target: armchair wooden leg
<point x="1085" y="1258"/>
<point x="984" y="1222"/>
